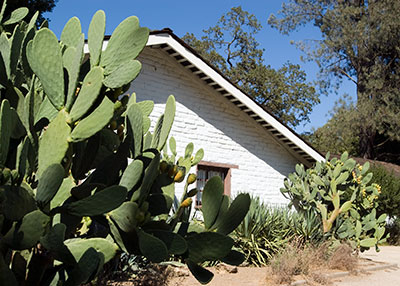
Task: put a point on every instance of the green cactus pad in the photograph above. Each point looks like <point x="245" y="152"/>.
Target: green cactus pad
<point x="125" y="44"/>
<point x="200" y="273"/>
<point x="16" y="16"/>
<point x="212" y="199"/>
<point x="146" y="106"/>
<point x="198" y="157"/>
<point x="18" y="202"/>
<point x="123" y="74"/>
<point x="152" y="247"/>
<point x="125" y="216"/>
<point x="7" y="277"/>
<point x="175" y="243"/>
<point x="86" y="268"/>
<point x="234" y="258"/>
<point x="79" y="246"/>
<point x="99" y="203"/>
<point x="97" y="28"/>
<point x="54" y="143"/>
<point x="46" y="110"/>
<point x="135" y="117"/>
<point x="235" y="214"/>
<point x="54" y="242"/>
<point x="168" y="120"/>
<point x="189" y="150"/>
<point x="45" y="59"/>
<point x="150" y="175"/>
<point x="208" y="246"/>
<point x="5" y="130"/>
<point x="27" y="233"/>
<point x="222" y="211"/>
<point x="72" y="32"/>
<point x="88" y="94"/>
<point x="94" y="122"/>
<point x="72" y="59"/>
<point x="132" y="174"/>
<point x="63" y="193"/>
<point x="49" y="183"/>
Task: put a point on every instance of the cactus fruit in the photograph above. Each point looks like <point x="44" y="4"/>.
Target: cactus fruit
<point x="81" y="176"/>
<point x="191" y="179"/>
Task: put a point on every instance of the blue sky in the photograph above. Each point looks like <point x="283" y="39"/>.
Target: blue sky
<point x="194" y="16"/>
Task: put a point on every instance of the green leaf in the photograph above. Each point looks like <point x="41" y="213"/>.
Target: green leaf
<point x="172" y="145"/>
<point x="125" y="44"/>
<point x="189" y="150"/>
<point x="346" y="206"/>
<point x="72" y="59"/>
<point x="27" y="233"/>
<point x="54" y="143"/>
<point x="368" y="242"/>
<point x="53" y="241"/>
<point x="44" y="57"/>
<point x="168" y="120"/>
<point x="101" y="202"/>
<point x="49" y="183"/>
<point x="123" y="74"/>
<point x="152" y="247"/>
<point x="72" y="32"/>
<point x="150" y="175"/>
<point x="132" y="174"/>
<point x="211" y="200"/>
<point x="92" y="124"/>
<point x="63" y="192"/>
<point x="18" y="202"/>
<point x="79" y="246"/>
<point x="342" y="178"/>
<point x="367" y="179"/>
<point x="235" y="214"/>
<point x="175" y="243"/>
<point x="88" y="94"/>
<point x="207" y="246"/>
<point x="135" y="117"/>
<point x="5" y="130"/>
<point x="201" y="274"/>
<point x="125" y="216"/>
<point x="16" y="16"/>
<point x="234" y="258"/>
<point x="198" y="157"/>
<point x="97" y="28"/>
<point x="358" y="229"/>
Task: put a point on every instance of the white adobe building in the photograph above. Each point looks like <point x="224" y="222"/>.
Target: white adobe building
<point x="249" y="147"/>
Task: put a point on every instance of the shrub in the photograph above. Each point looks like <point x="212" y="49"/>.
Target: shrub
<point x="266" y="230"/>
<point x="341" y="193"/>
<point x="389" y="199"/>
<point x="69" y="200"/>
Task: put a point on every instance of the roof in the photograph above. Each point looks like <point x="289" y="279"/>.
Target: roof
<point x="191" y="60"/>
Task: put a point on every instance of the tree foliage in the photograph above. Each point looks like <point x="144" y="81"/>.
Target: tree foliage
<point x="360" y="42"/>
<point x="33" y="5"/>
<point x="339" y="134"/>
<point x="231" y="47"/>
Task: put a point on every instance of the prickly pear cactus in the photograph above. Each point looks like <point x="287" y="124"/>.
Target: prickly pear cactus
<point x="81" y="176"/>
<point x="340" y="191"/>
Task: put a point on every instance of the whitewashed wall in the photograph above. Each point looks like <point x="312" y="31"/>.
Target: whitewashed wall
<point x="211" y="122"/>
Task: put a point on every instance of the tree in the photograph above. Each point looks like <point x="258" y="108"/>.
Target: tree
<point x="339" y="134"/>
<point x="360" y="42"/>
<point x="231" y="47"/>
<point x="33" y="5"/>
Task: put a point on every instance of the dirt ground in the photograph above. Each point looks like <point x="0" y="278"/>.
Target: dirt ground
<point x="243" y="276"/>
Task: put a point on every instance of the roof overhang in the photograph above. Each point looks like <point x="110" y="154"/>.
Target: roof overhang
<point x="193" y="62"/>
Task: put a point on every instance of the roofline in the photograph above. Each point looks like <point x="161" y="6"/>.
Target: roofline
<point x="167" y="37"/>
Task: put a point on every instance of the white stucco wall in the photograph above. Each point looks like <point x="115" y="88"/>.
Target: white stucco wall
<point x="211" y="122"/>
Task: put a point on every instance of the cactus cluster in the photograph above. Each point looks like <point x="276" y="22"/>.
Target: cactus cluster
<point x="340" y="191"/>
<point x="82" y="177"/>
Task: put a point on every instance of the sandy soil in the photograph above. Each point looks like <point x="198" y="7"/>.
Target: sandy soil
<point x="243" y="276"/>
